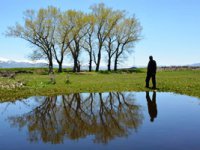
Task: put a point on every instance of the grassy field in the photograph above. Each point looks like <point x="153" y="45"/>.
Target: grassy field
<point x="38" y="83"/>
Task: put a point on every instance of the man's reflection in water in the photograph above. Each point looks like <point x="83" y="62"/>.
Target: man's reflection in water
<point x="152" y="107"/>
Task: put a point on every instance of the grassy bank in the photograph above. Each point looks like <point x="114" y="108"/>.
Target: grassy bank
<point x="38" y="83"/>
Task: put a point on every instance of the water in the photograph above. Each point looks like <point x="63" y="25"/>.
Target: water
<point x="129" y="120"/>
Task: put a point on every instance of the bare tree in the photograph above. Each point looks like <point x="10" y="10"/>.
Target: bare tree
<point x="79" y="19"/>
<point x="39" y="30"/>
<point x="110" y="49"/>
<point x="127" y="33"/>
<point x="105" y="22"/>
<point x="64" y="28"/>
<point x="88" y="44"/>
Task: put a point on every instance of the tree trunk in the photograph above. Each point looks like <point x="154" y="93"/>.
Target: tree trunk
<point x="90" y="62"/>
<point x="75" y="65"/>
<point x="60" y="67"/>
<point x="115" y="63"/>
<point x="109" y="63"/>
<point x="50" y="66"/>
<point x="98" y="61"/>
<point x="78" y="66"/>
<point x="99" y="58"/>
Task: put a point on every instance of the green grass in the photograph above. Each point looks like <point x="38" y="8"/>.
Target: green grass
<point x="183" y="82"/>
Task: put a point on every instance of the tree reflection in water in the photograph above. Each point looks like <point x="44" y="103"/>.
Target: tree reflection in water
<point x="74" y="116"/>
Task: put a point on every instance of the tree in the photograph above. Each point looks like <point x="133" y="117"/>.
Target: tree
<point x="111" y="39"/>
<point x="62" y="41"/>
<point x="39" y="30"/>
<point x="127" y="34"/>
<point x="88" y="38"/>
<point x="79" y="19"/>
<point x="105" y="22"/>
<point x="110" y="50"/>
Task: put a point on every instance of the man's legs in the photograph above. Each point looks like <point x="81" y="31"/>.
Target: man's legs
<point x="154" y="81"/>
<point x="147" y="80"/>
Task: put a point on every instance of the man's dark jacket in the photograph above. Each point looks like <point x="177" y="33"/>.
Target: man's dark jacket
<point x="152" y="67"/>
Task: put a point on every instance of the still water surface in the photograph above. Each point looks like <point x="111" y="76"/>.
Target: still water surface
<point x="129" y="120"/>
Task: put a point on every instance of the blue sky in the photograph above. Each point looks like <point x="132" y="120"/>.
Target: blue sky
<point x="171" y="28"/>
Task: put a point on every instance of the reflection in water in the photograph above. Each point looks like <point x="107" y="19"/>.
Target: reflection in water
<point x="74" y="116"/>
<point x="152" y="107"/>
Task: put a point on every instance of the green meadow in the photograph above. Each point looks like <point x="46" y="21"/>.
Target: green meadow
<point x="38" y="83"/>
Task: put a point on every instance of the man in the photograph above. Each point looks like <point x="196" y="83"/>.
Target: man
<point x="151" y="72"/>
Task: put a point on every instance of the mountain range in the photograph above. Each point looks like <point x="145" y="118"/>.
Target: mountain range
<point x="20" y="64"/>
<point x="29" y="64"/>
<point x="195" y="65"/>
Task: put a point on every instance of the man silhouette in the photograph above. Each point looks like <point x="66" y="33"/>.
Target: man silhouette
<point x="151" y="72"/>
<point x="152" y="107"/>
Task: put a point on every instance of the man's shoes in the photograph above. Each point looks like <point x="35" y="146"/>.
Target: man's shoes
<point x="147" y="86"/>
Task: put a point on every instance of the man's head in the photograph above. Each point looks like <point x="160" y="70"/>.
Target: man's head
<point x="150" y="57"/>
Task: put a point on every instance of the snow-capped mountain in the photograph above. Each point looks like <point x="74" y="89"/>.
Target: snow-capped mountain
<point x="195" y="65"/>
<point x="4" y="63"/>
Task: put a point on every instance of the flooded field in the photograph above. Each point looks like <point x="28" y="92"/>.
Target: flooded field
<point x="115" y="120"/>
